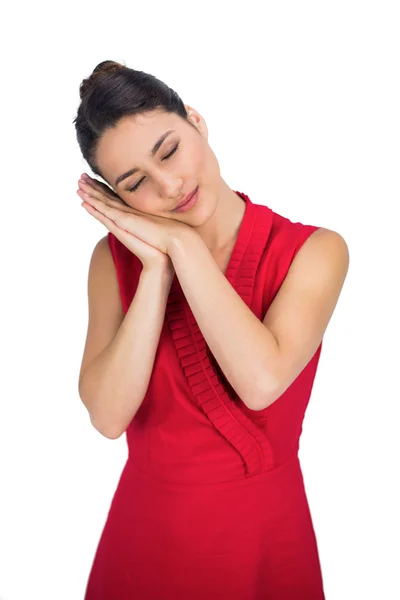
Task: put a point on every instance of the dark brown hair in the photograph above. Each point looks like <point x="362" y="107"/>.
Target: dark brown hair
<point x="113" y="91"/>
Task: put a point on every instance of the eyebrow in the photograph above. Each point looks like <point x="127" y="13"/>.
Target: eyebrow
<point x="151" y="153"/>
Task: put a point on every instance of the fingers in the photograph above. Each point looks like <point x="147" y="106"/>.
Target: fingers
<point x="99" y="204"/>
<point x="100" y="186"/>
<point x="102" y="207"/>
<point x="99" y="191"/>
<point x="91" y="190"/>
<point x="108" y="222"/>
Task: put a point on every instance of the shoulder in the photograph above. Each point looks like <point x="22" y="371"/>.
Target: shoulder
<point x="320" y="265"/>
<point x="323" y="248"/>
<point x="287" y="238"/>
<point x="102" y="254"/>
<point x="314" y="280"/>
<point x="301" y="311"/>
<point x="102" y="267"/>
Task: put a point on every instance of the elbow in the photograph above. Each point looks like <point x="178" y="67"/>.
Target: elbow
<point x="262" y="395"/>
<point x="111" y="433"/>
<point x="103" y="423"/>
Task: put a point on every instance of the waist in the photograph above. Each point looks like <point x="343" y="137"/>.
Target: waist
<point x="201" y="455"/>
<point x="221" y="476"/>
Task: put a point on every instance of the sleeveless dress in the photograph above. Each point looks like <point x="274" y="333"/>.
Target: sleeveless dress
<point x="211" y="504"/>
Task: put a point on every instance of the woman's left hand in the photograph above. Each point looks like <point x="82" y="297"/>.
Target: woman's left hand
<point x="108" y="208"/>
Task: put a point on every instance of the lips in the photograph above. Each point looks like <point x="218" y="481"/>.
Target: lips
<point x="186" y="200"/>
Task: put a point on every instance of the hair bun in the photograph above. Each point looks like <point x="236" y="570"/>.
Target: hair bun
<point x="103" y="68"/>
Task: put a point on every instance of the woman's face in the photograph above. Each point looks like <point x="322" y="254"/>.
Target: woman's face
<point x="181" y="162"/>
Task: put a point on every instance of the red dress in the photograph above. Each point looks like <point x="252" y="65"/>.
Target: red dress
<point x="211" y="504"/>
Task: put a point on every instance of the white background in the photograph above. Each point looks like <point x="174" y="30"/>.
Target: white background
<point x="302" y="102"/>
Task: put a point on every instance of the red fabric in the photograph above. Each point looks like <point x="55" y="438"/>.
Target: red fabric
<point x="211" y="501"/>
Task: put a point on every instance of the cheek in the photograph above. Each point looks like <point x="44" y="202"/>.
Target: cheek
<point x="205" y="161"/>
<point x="128" y="199"/>
<point x="211" y="165"/>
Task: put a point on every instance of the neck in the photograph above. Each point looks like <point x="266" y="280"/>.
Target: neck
<point x="221" y="229"/>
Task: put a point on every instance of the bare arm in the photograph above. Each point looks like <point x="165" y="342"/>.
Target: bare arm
<point x="262" y="358"/>
<point x="113" y="385"/>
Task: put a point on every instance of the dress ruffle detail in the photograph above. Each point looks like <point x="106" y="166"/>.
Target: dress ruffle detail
<point x="211" y="393"/>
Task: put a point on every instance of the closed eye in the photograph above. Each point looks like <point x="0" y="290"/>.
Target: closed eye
<point x="135" y="187"/>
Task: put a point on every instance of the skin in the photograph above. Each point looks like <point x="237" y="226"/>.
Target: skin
<point x="260" y="359"/>
<point x="219" y="211"/>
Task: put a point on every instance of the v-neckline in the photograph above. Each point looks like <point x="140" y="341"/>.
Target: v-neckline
<point x="239" y="235"/>
<point x="208" y="385"/>
<point x="242" y="239"/>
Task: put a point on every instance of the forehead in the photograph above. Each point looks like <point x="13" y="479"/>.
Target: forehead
<point x="131" y="140"/>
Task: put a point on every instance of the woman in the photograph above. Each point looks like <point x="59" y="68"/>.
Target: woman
<point x="205" y="331"/>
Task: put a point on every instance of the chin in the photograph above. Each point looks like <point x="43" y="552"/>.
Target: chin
<point x="199" y="217"/>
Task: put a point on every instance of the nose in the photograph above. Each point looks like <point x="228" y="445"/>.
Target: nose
<point x="171" y="188"/>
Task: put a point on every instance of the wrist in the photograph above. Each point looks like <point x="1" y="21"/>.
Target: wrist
<point x="163" y="269"/>
<point x="178" y="238"/>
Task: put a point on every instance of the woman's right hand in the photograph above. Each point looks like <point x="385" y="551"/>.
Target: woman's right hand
<point x="149" y="256"/>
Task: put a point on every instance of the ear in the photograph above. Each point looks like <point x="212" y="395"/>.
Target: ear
<point x="197" y="121"/>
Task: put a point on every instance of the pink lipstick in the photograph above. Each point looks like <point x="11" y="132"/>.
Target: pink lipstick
<point x="189" y="203"/>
